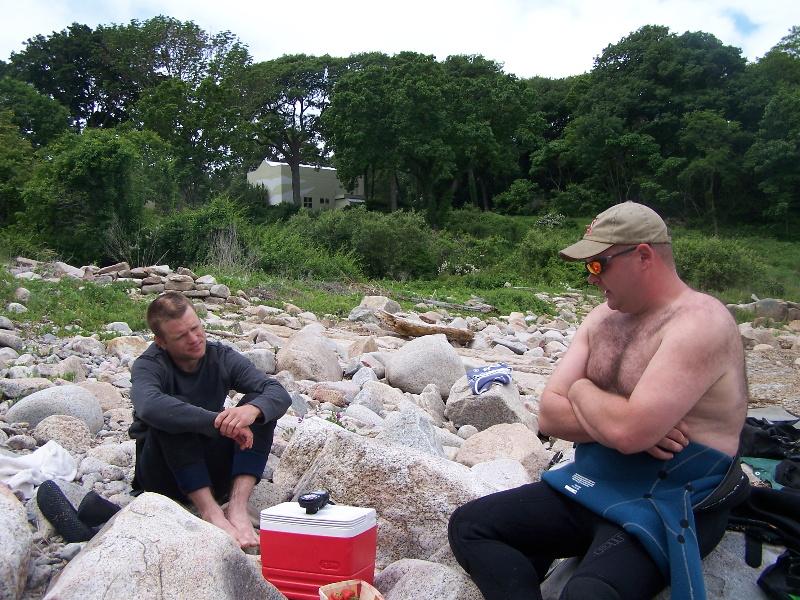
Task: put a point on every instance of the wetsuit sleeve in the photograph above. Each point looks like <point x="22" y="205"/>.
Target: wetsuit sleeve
<point x="162" y="411"/>
<point x="273" y="400"/>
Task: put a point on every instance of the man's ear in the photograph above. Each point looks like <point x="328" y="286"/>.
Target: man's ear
<point x="646" y="254"/>
<point x="159" y="341"/>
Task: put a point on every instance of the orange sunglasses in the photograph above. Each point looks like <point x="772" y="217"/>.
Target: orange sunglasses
<point x="597" y="265"/>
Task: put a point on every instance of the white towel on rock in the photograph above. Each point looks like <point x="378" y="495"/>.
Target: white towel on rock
<point x="23" y="473"/>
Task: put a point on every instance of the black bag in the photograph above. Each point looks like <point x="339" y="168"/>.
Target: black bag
<point x="770" y="516"/>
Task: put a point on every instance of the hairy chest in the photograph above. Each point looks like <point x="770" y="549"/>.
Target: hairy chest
<point x="620" y="349"/>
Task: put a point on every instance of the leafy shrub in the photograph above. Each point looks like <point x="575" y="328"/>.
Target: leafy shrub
<point x="397" y="245"/>
<point x="481" y="224"/>
<point x="188" y="237"/>
<point x="522" y="197"/>
<point x="714" y="264"/>
<point x="536" y="259"/>
<point x="86" y="182"/>
<point x="16" y="240"/>
<point x="579" y="199"/>
<point x="287" y="252"/>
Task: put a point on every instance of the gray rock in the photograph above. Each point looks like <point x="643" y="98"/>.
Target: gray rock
<point x="119" y="327"/>
<point x="16" y="307"/>
<point x="771" y="308"/>
<point x="127" y="346"/>
<point x="121" y="455"/>
<point x="513" y="345"/>
<point x="299" y="404"/>
<point x="19" y="388"/>
<point x="21" y="442"/>
<point x="264" y="360"/>
<point x="401" y="482"/>
<point x="430" y="400"/>
<point x="16" y="540"/>
<point x="363" y="375"/>
<point x="6" y="323"/>
<point x="413" y="430"/>
<point x="467" y="431"/>
<point x="403" y="580"/>
<point x="71" y="433"/>
<point x="9" y="340"/>
<point x="87" y="345"/>
<point x="71" y="368"/>
<point x="309" y="355"/>
<point x="507" y="441"/>
<point x="425" y="360"/>
<point x="107" y="395"/>
<point x="220" y="291"/>
<point x="364" y="415"/>
<point x="70" y="400"/>
<point x="154" y="548"/>
<point x="502" y="473"/>
<point x="365" y="312"/>
<point x="499" y="404"/>
<point x="375" y="395"/>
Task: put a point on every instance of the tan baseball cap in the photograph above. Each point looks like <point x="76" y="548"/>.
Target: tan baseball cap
<point x="626" y="223"/>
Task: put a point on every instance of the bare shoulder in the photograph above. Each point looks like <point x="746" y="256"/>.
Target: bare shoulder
<point x="697" y="309"/>
<point x="596" y="316"/>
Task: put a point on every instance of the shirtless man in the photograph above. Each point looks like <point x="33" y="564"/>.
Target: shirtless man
<point x="188" y="447"/>
<point x="654" y="368"/>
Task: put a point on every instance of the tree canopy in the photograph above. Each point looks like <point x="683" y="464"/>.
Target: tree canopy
<point x="679" y="121"/>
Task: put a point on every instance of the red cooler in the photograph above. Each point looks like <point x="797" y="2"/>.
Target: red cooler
<point x="301" y="552"/>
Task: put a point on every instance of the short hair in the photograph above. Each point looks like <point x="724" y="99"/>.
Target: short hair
<point x="166" y="307"/>
<point x="665" y="252"/>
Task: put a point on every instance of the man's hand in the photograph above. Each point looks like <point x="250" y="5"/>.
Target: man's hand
<point x="230" y="420"/>
<point x="243" y="437"/>
<point x="676" y="440"/>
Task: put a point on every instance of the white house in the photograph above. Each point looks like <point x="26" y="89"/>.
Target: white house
<point x="320" y="188"/>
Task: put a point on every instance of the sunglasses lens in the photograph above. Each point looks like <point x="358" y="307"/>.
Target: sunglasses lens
<point x="594" y="267"/>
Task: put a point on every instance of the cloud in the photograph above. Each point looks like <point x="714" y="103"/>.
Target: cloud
<point x="530" y="37"/>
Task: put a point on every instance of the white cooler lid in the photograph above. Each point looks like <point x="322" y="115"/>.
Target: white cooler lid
<point x="333" y="520"/>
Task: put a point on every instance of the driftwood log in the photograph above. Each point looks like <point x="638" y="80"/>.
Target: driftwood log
<point x="418" y="329"/>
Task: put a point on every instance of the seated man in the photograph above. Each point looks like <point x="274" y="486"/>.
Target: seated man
<point x="653" y="391"/>
<point x="187" y="446"/>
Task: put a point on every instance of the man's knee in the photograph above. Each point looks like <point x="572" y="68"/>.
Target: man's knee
<point x="581" y="587"/>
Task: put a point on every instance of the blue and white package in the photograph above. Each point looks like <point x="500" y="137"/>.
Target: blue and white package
<point x="482" y="378"/>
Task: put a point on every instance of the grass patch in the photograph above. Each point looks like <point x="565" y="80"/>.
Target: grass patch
<point x="75" y="306"/>
<point x="320" y="297"/>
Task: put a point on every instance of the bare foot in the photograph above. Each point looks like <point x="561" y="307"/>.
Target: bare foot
<point x="246" y="535"/>
<point x="220" y="521"/>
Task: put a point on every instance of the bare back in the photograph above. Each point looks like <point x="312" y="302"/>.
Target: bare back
<point x="622" y="347"/>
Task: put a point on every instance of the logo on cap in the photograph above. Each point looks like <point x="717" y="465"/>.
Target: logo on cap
<point x="589" y="227"/>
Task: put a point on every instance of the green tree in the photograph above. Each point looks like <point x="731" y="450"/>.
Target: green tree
<point x="16" y="162"/>
<point x="39" y="118"/>
<point x="653" y="77"/>
<point x="86" y="183"/>
<point x="775" y="154"/>
<point x="357" y="126"/>
<point x="711" y="174"/>
<point x="283" y="102"/>
<point x="65" y="66"/>
<point x="488" y="142"/>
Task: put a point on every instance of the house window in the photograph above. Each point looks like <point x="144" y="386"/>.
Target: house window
<point x="307" y="202"/>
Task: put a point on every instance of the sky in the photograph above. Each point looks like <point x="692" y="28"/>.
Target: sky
<point x="554" y="38"/>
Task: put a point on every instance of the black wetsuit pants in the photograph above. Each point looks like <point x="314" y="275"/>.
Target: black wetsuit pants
<point x="508" y="540"/>
<point x="176" y="464"/>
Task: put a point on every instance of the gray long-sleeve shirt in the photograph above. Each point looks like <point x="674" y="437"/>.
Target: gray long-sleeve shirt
<point x="166" y="398"/>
